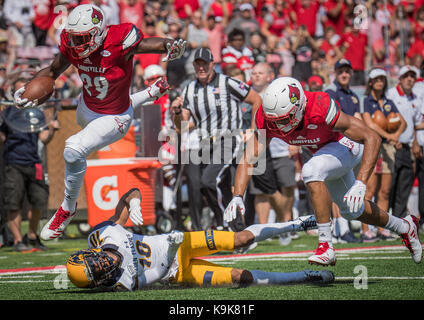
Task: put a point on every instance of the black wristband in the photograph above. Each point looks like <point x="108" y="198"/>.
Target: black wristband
<point x="177" y="112"/>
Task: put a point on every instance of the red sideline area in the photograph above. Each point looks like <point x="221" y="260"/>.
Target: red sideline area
<point x="221" y="257"/>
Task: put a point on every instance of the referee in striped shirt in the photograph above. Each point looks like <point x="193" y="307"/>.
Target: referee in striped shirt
<point x="213" y="102"/>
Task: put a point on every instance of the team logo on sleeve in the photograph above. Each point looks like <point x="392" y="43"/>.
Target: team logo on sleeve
<point x="96" y="16"/>
<point x="294" y="94"/>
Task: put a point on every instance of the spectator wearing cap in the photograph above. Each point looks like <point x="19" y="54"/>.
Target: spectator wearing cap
<point x="315" y="83"/>
<point x="408" y="104"/>
<point x="245" y="21"/>
<point x="340" y="91"/>
<point x="380" y="180"/>
<point x="213" y="100"/>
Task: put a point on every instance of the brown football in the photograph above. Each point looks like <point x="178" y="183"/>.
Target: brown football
<point x="379" y="119"/>
<point x="39" y="89"/>
<point x="393" y="122"/>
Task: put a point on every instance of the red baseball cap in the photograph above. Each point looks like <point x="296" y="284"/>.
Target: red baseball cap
<point x="315" y="80"/>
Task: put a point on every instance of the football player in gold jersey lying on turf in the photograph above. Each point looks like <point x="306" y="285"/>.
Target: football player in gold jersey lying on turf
<point x="121" y="260"/>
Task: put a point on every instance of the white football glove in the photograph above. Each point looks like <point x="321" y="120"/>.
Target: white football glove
<point x="175" y="50"/>
<point x="158" y="88"/>
<point x="22" y="103"/>
<point x="175" y="237"/>
<point x="354" y="198"/>
<point x="135" y="212"/>
<point x="230" y="212"/>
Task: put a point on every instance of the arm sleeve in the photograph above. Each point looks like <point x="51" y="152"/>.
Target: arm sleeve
<point x="333" y="113"/>
<point x="132" y="38"/>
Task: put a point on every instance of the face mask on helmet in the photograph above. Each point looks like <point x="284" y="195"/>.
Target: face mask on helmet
<point x="91" y="268"/>
<point x="82" y="43"/>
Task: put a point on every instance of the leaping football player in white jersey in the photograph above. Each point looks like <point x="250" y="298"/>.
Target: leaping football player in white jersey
<point x="121" y="260"/>
<point x="103" y="56"/>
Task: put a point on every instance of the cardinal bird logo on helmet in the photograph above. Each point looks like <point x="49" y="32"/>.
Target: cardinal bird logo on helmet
<point x="96" y="16"/>
<point x="294" y="94"/>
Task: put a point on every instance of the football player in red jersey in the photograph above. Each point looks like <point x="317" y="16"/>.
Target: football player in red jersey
<point x="344" y="154"/>
<point x="103" y="56"/>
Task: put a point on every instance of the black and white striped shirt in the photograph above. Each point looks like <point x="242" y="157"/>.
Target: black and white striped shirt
<point x="215" y="107"/>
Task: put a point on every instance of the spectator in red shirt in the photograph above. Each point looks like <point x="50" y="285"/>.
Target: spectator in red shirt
<point x="329" y="46"/>
<point x="336" y="13"/>
<point x="131" y="11"/>
<point x="218" y="7"/>
<point x="418" y="24"/>
<point x="306" y="12"/>
<point x="417" y="48"/>
<point x="237" y="55"/>
<point x="185" y="8"/>
<point x="44" y="15"/>
<point x="278" y="20"/>
<point x="354" y="46"/>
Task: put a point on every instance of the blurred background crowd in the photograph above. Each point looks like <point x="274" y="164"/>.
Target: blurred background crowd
<point x="299" y="38"/>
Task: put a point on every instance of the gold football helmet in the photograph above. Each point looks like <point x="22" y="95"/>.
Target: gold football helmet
<point x="91" y="268"/>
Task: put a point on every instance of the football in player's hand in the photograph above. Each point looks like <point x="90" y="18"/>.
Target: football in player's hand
<point x="379" y="119"/>
<point x="393" y="122"/>
<point x="39" y="89"/>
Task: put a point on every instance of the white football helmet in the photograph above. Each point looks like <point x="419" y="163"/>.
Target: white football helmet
<point x="284" y="103"/>
<point x="85" y="30"/>
<point x="153" y="71"/>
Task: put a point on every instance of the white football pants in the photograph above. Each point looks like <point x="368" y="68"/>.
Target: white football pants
<point x="336" y="164"/>
<point x="99" y="130"/>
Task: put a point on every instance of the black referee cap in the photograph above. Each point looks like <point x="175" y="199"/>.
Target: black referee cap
<point x="203" y="54"/>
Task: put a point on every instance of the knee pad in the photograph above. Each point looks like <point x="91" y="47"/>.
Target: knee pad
<point x="312" y="171"/>
<point x="75" y="160"/>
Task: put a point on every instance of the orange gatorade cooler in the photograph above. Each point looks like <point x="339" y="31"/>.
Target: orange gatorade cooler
<point x="106" y="180"/>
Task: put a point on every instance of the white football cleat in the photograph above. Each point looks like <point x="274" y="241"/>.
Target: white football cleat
<point x="305" y="223"/>
<point x="323" y="256"/>
<point x="411" y="239"/>
<point x="57" y="224"/>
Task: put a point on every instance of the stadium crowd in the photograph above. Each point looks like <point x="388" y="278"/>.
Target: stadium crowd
<point x="314" y="41"/>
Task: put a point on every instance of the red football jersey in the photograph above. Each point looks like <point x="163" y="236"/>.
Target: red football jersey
<point x="316" y="129"/>
<point x="106" y="73"/>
